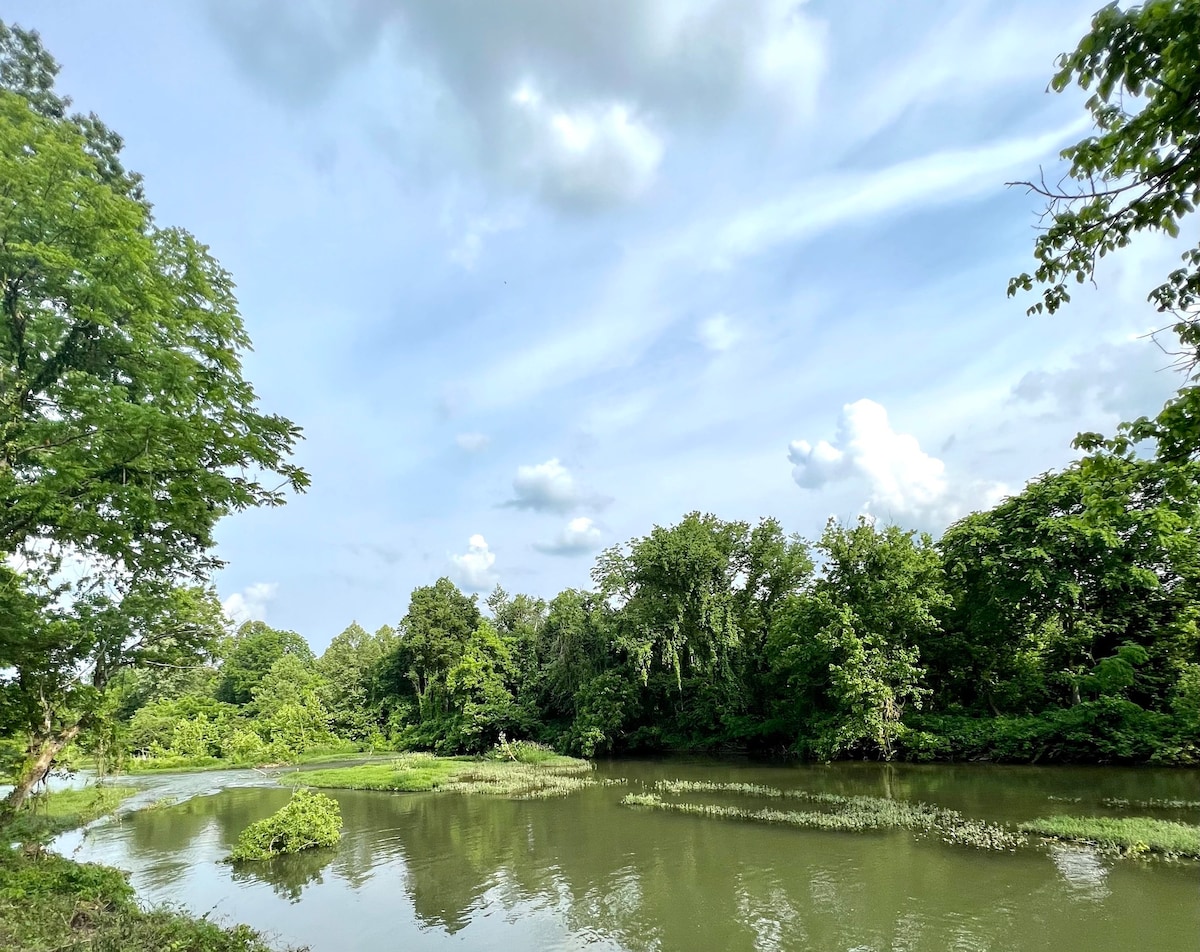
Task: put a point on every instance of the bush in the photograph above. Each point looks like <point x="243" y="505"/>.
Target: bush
<point x="309" y="820"/>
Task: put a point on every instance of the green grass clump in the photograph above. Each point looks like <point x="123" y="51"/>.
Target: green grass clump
<point x="842" y="814"/>
<point x="51" y="903"/>
<point x="543" y="774"/>
<point x="1126" y="835"/>
<point x="308" y="821"/>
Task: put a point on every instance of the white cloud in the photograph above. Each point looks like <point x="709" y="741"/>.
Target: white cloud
<point x="578" y="537"/>
<point x="904" y="482"/>
<point x="586" y="156"/>
<point x="473" y="569"/>
<point x="472" y="442"/>
<point x="718" y="333"/>
<point x="541" y="86"/>
<point x="250" y="604"/>
<point x="547" y="487"/>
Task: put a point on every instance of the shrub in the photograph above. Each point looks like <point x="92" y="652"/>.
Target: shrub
<point x="309" y="820"/>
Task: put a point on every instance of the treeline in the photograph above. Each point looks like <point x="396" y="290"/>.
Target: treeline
<point x="1060" y="625"/>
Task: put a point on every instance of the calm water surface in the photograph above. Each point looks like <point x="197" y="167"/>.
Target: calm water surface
<point x="423" y="871"/>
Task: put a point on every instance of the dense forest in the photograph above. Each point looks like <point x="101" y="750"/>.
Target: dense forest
<point x="1060" y="625"/>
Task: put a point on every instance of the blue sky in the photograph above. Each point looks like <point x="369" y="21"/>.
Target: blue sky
<point x="536" y="276"/>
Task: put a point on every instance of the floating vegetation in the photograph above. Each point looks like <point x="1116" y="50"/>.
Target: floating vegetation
<point x="308" y="821"/>
<point x="1154" y="803"/>
<point x="1126" y="836"/>
<point x="845" y="814"/>
<point x="541" y="774"/>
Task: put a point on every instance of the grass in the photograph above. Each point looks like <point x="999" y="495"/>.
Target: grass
<point x="1133" y="835"/>
<point x="841" y="814"/>
<point x="83" y="805"/>
<point x="537" y="774"/>
<point x="51" y="903"/>
<point x="45" y="815"/>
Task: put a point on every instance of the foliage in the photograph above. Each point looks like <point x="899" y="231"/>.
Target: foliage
<point x="127" y="429"/>
<point x="1129" y="835"/>
<point x="51" y="903"/>
<point x="847" y="653"/>
<point x="1139" y="171"/>
<point x="309" y="820"/>
<point x="255" y="649"/>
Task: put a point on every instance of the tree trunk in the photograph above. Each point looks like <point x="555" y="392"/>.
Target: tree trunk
<point x="37" y="769"/>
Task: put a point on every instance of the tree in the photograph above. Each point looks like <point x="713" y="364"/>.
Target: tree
<point x="69" y="654"/>
<point x="126" y="427"/>
<point x="433" y="635"/>
<point x="255" y="649"/>
<point x="847" y="654"/>
<point x="1085" y="583"/>
<point x="351" y="669"/>
<point x="675" y="592"/>
<point x="1139" y="172"/>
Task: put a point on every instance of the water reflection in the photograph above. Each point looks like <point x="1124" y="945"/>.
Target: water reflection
<point x="1082" y="869"/>
<point x="583" y="871"/>
<point x="287" y="875"/>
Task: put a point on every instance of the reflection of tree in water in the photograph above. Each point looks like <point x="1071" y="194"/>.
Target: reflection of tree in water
<point x="174" y="828"/>
<point x="288" y="875"/>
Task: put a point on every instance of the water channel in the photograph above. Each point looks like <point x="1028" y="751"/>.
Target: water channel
<point x="430" y="871"/>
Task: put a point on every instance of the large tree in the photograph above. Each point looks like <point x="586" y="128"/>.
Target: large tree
<point x="1139" y="171"/>
<point x="127" y="429"/>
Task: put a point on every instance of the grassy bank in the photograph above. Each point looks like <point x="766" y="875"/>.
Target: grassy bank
<point x="1127" y="835"/>
<point x="834" y="813"/>
<point x="531" y="772"/>
<point x="50" y="903"/>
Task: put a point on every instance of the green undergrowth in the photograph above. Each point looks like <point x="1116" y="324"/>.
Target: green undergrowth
<point x="48" y="814"/>
<point x="52" y="904"/>
<point x="836" y="813"/>
<point x="308" y="821"/>
<point x="530" y="773"/>
<point x="1131" y="836"/>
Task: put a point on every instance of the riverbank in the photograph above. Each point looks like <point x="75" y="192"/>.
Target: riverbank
<point x="49" y="902"/>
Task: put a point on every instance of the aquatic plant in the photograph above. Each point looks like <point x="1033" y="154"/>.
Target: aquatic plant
<point x="1154" y="803"/>
<point x="846" y="814"/>
<point x="1123" y="835"/>
<point x="309" y="820"/>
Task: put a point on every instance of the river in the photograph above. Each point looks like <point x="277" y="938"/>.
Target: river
<point x="430" y="871"/>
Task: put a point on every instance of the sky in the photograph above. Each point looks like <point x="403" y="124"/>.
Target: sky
<point x="534" y="277"/>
